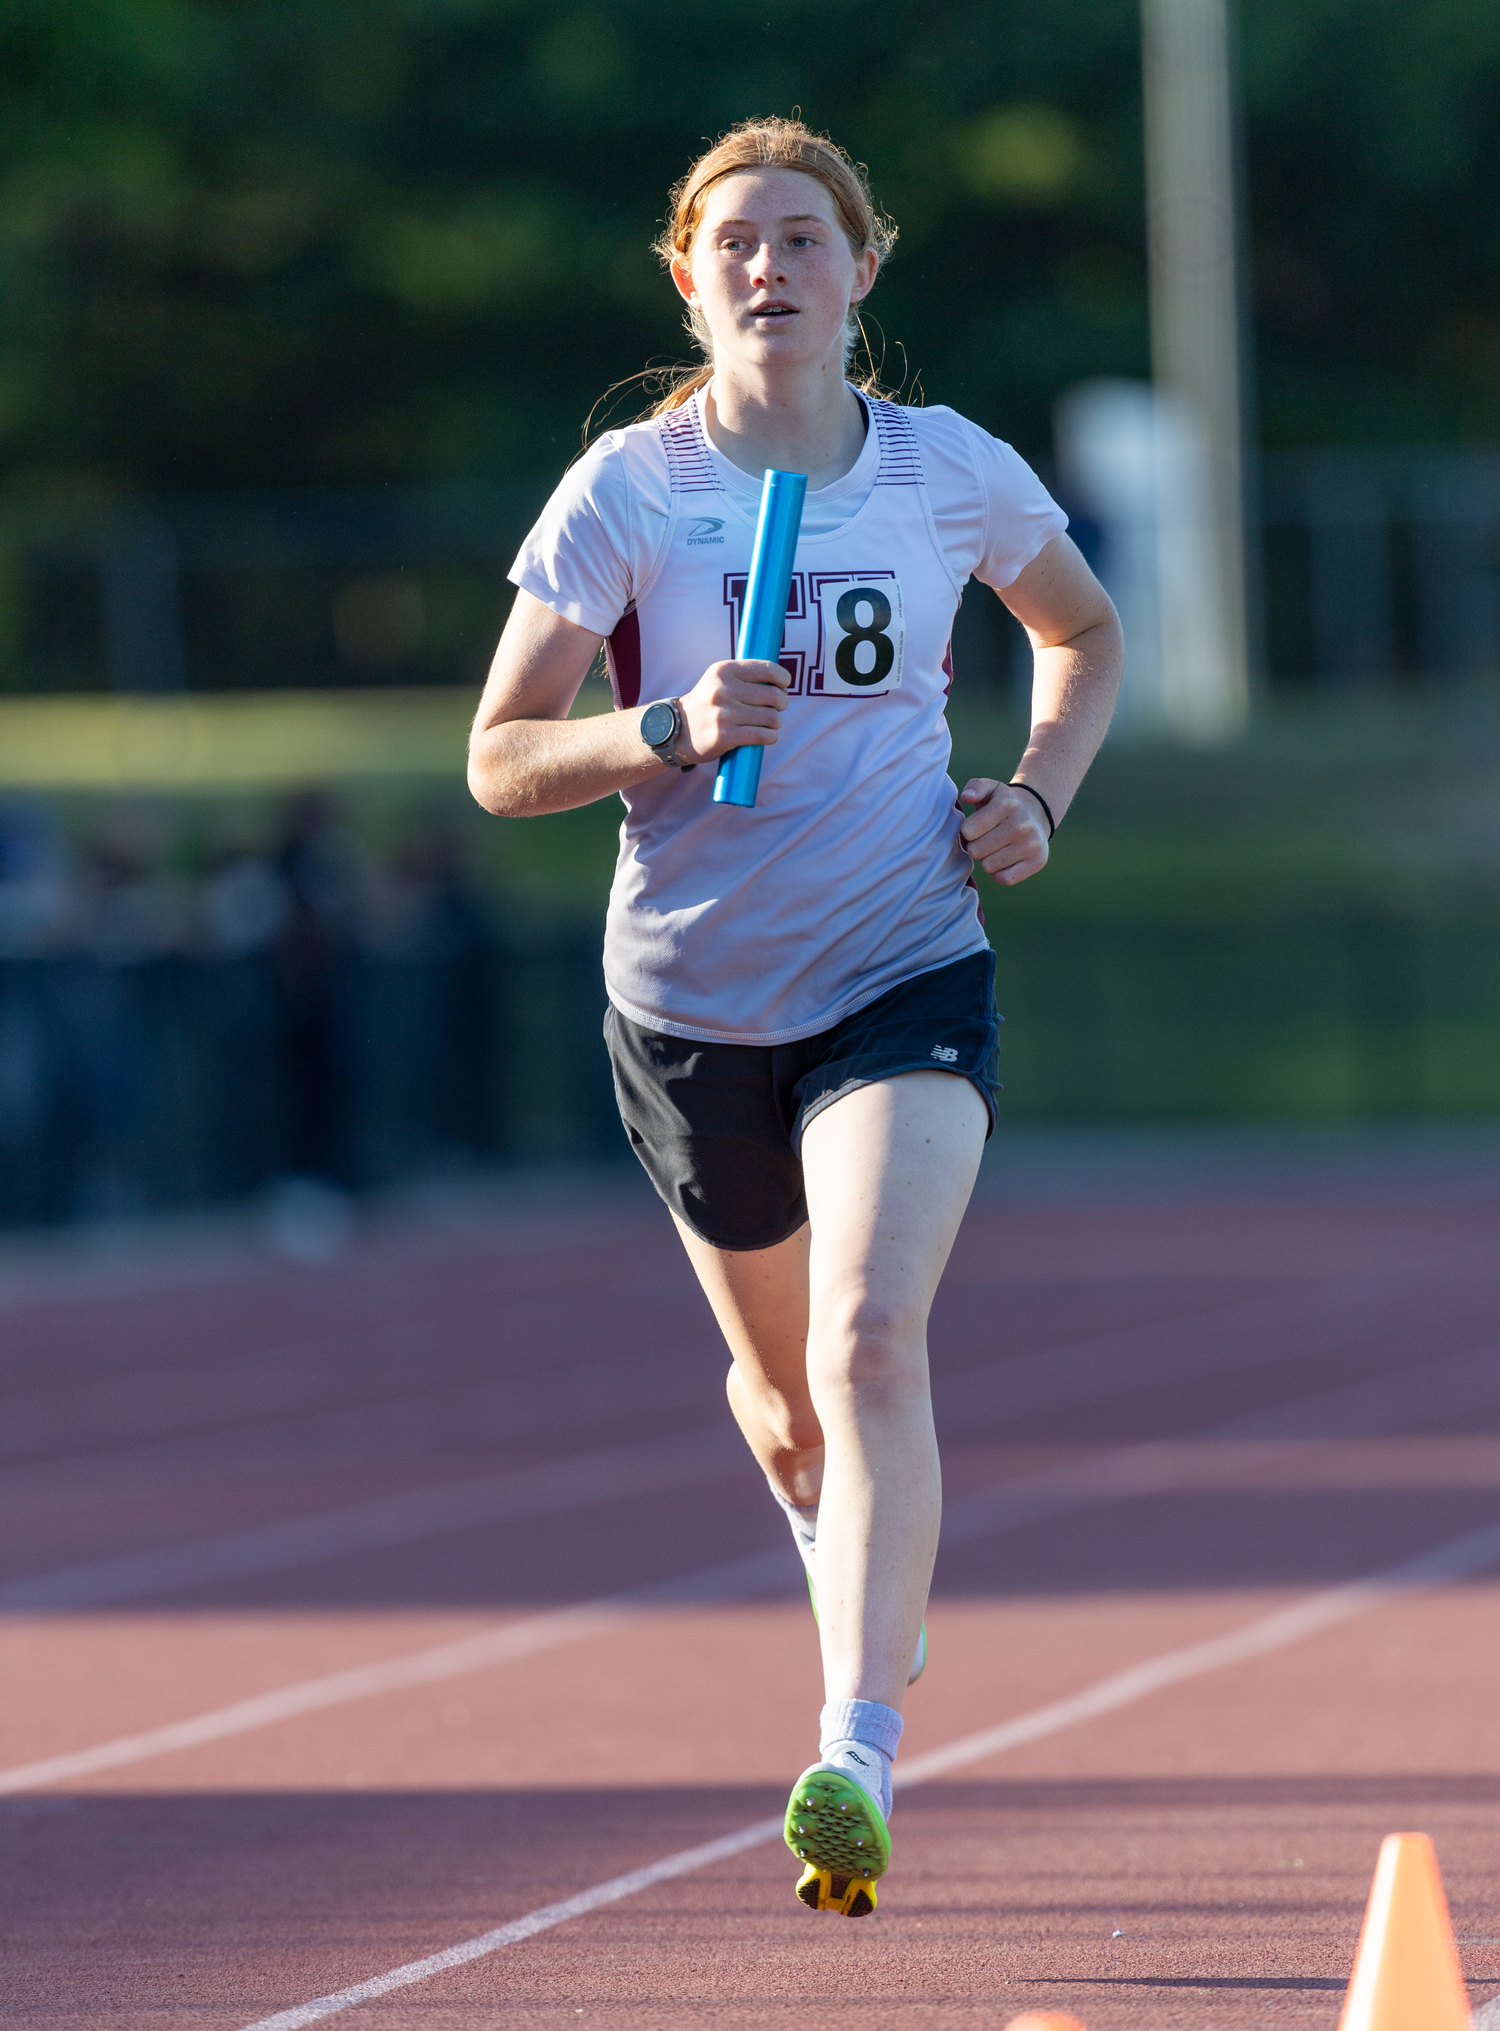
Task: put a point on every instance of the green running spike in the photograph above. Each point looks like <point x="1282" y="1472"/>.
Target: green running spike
<point x="837" y="1829"/>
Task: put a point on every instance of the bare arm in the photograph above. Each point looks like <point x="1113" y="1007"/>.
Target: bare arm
<point x="1079" y="656"/>
<point x="527" y="757"/>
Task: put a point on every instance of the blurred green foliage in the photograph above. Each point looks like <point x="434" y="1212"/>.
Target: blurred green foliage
<point x="249" y="242"/>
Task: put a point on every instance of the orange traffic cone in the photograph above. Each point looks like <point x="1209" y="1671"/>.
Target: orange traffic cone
<point x="1406" y="1973"/>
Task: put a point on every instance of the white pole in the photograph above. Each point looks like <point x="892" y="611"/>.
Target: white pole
<point x="1195" y="360"/>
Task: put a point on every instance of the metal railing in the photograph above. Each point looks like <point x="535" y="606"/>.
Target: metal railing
<point x="1381" y="565"/>
<point x="240" y="591"/>
<point x="191" y="1079"/>
<point x="185" y="1080"/>
<point x="1378" y="565"/>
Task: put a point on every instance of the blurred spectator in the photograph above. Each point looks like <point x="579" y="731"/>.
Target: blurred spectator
<point x="128" y="912"/>
<point x="319" y="868"/>
<point x="34" y="903"/>
<point x="424" y="920"/>
<point x="243" y="907"/>
<point x="270" y="1009"/>
<point x="245" y="903"/>
<point x="33" y="879"/>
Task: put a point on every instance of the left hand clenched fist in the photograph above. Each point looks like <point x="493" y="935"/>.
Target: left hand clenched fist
<point x="1005" y="832"/>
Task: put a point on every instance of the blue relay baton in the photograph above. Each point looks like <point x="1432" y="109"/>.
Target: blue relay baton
<point x="763" y="620"/>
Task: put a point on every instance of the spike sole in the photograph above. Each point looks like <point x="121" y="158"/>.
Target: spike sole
<point x="836" y="1828"/>
<point x="850" y="1895"/>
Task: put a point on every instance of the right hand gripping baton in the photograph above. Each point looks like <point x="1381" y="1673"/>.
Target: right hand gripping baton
<point x="763" y="621"/>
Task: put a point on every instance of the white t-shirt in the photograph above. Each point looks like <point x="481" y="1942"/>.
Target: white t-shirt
<point x="847" y="877"/>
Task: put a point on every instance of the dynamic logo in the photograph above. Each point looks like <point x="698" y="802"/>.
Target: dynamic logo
<point x="705" y="530"/>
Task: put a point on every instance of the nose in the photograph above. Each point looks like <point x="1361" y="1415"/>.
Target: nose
<point x="765" y="266"/>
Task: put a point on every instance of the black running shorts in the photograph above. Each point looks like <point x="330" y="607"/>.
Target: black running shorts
<point x="718" y="1127"/>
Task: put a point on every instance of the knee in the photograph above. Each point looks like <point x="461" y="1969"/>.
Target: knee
<point x="871" y="1349"/>
<point x="791" y="1425"/>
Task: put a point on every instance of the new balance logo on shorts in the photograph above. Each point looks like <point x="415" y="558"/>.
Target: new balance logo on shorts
<point x="946" y="1052"/>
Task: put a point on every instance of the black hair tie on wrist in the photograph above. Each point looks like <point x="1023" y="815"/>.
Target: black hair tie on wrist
<point x="1046" y="807"/>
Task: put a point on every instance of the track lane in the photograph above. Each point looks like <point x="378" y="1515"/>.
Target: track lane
<point x="1476" y="1552"/>
<point x="1329" y="1316"/>
<point x="514" y="1775"/>
<point x="1450" y="1387"/>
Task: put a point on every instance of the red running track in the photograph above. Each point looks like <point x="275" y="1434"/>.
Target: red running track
<point x="300" y="1689"/>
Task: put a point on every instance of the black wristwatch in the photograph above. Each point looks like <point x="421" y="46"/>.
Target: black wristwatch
<point x="662" y="728"/>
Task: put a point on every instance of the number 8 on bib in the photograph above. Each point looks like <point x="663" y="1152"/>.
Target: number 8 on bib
<point x="861" y="633"/>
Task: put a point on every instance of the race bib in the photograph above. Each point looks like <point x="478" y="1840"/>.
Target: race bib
<point x="845" y="632"/>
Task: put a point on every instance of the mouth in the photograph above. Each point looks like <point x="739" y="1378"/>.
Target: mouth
<point x="773" y="310"/>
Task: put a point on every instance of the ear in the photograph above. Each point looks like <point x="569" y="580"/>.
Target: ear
<point x="866" y="267"/>
<point x="682" y="276"/>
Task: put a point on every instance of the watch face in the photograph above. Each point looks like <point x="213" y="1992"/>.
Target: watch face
<point x="658" y="723"/>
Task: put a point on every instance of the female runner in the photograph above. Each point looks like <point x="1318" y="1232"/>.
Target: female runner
<point x="801" y="997"/>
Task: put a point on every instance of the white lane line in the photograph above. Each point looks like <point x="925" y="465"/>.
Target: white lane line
<point x="459" y="1397"/>
<point x="1307" y="1617"/>
<point x="1453" y="1384"/>
<point x="1380" y="1403"/>
<point x="1240" y="1336"/>
<point x="759" y="1573"/>
<point x="1333" y="1312"/>
<point x="388" y="1520"/>
<point x="543" y="1920"/>
<point x="1471" y="1553"/>
<point x="1049" y="1379"/>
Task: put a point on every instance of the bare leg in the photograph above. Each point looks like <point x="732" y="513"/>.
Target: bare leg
<point x="888" y="1169"/>
<point x="829" y="1336"/>
<point x="759" y="1298"/>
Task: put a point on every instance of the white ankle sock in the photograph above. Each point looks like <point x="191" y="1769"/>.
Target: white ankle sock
<point x="859" y="1737"/>
<point x="804" y="1522"/>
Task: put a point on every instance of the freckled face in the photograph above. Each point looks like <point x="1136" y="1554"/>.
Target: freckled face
<point x="772" y="271"/>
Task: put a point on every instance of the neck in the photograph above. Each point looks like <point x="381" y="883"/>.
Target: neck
<point x="812" y="424"/>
